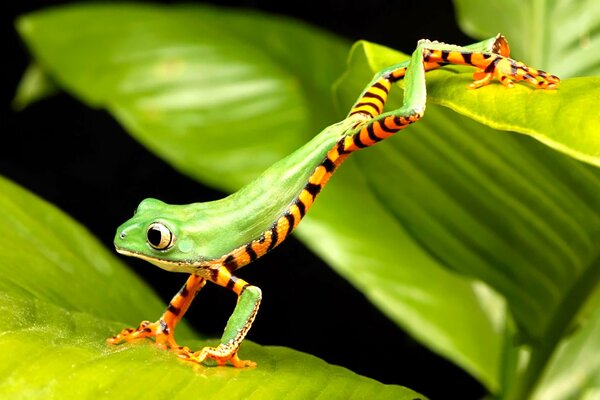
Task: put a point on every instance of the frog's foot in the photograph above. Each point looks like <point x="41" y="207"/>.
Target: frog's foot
<point x="222" y="354"/>
<point x="507" y="71"/>
<point x="158" y="330"/>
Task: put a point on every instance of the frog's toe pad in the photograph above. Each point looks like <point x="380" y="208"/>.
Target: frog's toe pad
<point x="158" y="331"/>
<point x="129" y="334"/>
<point x="221" y="355"/>
<point x="508" y="71"/>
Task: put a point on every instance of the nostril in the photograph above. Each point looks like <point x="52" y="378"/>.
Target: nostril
<point x="122" y="235"/>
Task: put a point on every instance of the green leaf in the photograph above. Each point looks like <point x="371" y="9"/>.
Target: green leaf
<point x="52" y="259"/>
<point x="495" y="206"/>
<point x="378" y="256"/>
<point x="34" y="86"/>
<point x="573" y="372"/>
<point x="561" y="36"/>
<point x="56" y="316"/>
<point x="563" y="119"/>
<point x="180" y="82"/>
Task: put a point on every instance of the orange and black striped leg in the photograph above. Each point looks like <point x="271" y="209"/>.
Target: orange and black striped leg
<point x="163" y="329"/>
<point x="377" y="129"/>
<point x="376" y="126"/>
<point x="489" y="65"/>
<point x="372" y="100"/>
<point x="370" y="104"/>
<point x="238" y="325"/>
<point x="488" y="56"/>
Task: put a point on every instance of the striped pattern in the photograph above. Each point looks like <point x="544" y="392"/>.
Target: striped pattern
<point x="377" y="130"/>
<point x="371" y="104"/>
<point x="290" y="219"/>
<point x="505" y="69"/>
<point x="181" y="302"/>
<point x="373" y="100"/>
<point x="397" y="74"/>
<point x="223" y="277"/>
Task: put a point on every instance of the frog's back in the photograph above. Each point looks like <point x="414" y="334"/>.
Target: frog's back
<point x="252" y="213"/>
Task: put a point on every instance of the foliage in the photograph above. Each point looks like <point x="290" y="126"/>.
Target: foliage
<point x="62" y="310"/>
<point x="483" y="244"/>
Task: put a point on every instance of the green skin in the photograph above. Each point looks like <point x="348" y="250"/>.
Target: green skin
<point x="207" y="231"/>
<point x="241" y="217"/>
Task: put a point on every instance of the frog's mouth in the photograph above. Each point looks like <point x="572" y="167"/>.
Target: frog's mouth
<point x="172" y="266"/>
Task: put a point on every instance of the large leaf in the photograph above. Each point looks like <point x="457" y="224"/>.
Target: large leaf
<point x="559" y="35"/>
<point x="563" y="37"/>
<point x="376" y="253"/>
<point x="180" y="82"/>
<point x="47" y="257"/>
<point x="60" y="294"/>
<point x="494" y="206"/>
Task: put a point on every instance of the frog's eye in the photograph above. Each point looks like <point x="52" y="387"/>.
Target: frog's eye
<point x="159" y="236"/>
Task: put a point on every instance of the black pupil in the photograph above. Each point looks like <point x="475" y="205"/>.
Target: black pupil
<point x="154" y="236"/>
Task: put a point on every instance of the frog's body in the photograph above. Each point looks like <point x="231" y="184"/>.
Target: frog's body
<point x="211" y="240"/>
<point x="245" y="217"/>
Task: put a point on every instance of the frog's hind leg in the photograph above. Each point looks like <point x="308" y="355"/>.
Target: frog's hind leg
<point x="376" y="125"/>
<point x="163" y="330"/>
<point x="489" y="57"/>
<point x="374" y="96"/>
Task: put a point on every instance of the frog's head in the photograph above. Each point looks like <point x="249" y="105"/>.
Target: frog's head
<point x="155" y="234"/>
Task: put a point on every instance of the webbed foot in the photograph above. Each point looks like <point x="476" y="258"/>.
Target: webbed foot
<point x="222" y="354"/>
<point x="507" y="71"/>
<point x="158" y="330"/>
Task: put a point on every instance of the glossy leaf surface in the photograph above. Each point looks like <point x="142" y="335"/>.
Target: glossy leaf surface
<point x="60" y="296"/>
<point x="189" y="89"/>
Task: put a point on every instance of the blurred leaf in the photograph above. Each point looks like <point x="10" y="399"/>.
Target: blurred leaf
<point x="179" y="81"/>
<point x="55" y="260"/>
<point x="34" y="86"/>
<point x="561" y="36"/>
<point x="59" y="292"/>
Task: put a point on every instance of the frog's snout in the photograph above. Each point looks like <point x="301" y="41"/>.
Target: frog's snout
<point x="121" y="238"/>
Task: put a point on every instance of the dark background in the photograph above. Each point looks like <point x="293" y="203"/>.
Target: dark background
<point x="73" y="157"/>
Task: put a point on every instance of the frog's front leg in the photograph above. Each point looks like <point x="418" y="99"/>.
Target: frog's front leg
<point x="239" y="322"/>
<point x="163" y="330"/>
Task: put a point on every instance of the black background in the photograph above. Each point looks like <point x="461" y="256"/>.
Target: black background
<point x="82" y="161"/>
